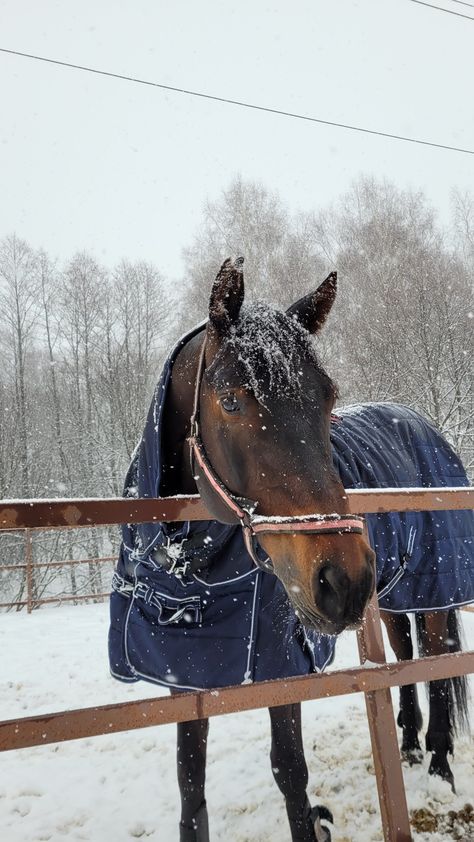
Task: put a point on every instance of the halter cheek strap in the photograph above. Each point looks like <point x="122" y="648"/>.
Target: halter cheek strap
<point x="241" y="510"/>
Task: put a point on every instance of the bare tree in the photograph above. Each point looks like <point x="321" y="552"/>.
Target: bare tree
<point x="81" y="313"/>
<point x="136" y="327"/>
<point x="19" y="314"/>
<point x="49" y="288"/>
<point x="281" y="263"/>
<point x="402" y="317"/>
<point x="463" y="225"/>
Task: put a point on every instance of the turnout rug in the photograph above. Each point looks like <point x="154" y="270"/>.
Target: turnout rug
<point x="229" y="623"/>
<point x="425" y="560"/>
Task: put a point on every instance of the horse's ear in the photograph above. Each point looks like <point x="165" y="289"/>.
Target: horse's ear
<point x="312" y="310"/>
<point x="227" y="295"/>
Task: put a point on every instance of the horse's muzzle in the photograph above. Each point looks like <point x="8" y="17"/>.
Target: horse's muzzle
<point x="340" y="601"/>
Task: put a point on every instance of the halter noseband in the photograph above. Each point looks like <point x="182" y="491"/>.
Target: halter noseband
<point x="241" y="509"/>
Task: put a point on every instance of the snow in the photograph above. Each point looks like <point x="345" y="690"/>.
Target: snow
<point x="123" y="786"/>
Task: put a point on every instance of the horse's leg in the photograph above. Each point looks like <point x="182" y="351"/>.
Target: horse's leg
<point x="439" y="632"/>
<point x="291" y="775"/>
<point x="409" y="718"/>
<point x="191" y="756"/>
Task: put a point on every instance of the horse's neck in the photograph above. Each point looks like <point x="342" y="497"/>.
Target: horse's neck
<point x="177" y="475"/>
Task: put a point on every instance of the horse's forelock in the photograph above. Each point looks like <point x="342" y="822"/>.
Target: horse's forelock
<point x="269" y="349"/>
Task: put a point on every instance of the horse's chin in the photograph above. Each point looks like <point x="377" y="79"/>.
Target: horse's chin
<point x="314" y="622"/>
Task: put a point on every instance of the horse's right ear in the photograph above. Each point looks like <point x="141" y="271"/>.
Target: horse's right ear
<point x="312" y="310"/>
<point x="227" y="295"/>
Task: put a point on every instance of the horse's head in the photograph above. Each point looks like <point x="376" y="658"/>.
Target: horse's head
<point x="265" y="405"/>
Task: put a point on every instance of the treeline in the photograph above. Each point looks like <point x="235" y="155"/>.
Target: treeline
<point x="402" y="327"/>
<point x="82" y="345"/>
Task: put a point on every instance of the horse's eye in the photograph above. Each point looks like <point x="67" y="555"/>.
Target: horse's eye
<point x="229" y="403"/>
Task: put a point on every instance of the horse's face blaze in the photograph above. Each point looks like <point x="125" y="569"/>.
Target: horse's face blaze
<point x="265" y="408"/>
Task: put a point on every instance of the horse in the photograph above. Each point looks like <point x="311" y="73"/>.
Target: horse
<point x="243" y="415"/>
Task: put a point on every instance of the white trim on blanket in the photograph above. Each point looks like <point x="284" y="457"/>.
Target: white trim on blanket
<point x="427" y="610"/>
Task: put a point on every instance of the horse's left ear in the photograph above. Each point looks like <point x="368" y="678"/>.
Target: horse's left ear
<point x="312" y="310"/>
<point x="227" y="295"/>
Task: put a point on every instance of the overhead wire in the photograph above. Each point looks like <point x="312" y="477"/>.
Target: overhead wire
<point x="236" y="102"/>
<point x="463" y="3"/>
<point x="441" y="9"/>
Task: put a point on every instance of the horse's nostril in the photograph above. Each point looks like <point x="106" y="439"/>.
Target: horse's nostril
<point x="339" y="598"/>
<point x="331" y="577"/>
<point x="331" y="591"/>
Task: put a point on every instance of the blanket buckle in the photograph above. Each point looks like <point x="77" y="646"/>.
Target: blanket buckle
<point x="178" y="567"/>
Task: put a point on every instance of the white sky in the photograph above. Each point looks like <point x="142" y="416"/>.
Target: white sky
<point x="123" y="170"/>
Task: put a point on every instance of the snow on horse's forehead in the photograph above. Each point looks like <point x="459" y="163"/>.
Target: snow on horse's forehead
<point x="267" y="350"/>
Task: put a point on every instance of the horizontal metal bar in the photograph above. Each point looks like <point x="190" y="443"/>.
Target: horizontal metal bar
<point x="36" y="602"/>
<point x="12" y="567"/>
<point x="127" y="716"/>
<point x="366" y="501"/>
<point x="72" y="562"/>
<point x="74" y="598"/>
<point x="13" y="604"/>
<point x="68" y="563"/>
<point x="73" y="513"/>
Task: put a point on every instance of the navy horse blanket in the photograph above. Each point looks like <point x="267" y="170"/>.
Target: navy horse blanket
<point x="229" y="623"/>
<point x="425" y="560"/>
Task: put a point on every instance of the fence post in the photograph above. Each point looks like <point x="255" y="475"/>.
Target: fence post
<point x="29" y="570"/>
<point x="383" y="735"/>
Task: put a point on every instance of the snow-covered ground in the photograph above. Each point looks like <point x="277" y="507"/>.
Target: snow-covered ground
<point x="123" y="787"/>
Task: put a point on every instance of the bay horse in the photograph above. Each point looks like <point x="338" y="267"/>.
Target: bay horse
<point x="247" y="398"/>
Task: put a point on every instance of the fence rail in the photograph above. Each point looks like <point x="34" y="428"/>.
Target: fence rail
<point x="89" y="511"/>
<point x="128" y="716"/>
<point x="374" y="680"/>
<point x="68" y="562"/>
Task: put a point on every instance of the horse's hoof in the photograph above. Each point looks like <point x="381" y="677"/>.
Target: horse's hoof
<point x="412" y="756"/>
<point x="440" y="768"/>
<point x="305" y="823"/>
<point x="321" y="832"/>
<point x="198" y="829"/>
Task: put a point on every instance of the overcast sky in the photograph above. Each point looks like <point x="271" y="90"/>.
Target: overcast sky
<point x="123" y="170"/>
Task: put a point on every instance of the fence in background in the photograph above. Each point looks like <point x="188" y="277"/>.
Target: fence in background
<point x="32" y="600"/>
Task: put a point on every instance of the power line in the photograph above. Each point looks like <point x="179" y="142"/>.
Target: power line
<point x="463" y="3"/>
<point x="239" y="103"/>
<point x="440" y="9"/>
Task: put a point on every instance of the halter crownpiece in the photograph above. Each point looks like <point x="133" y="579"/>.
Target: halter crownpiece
<point x="241" y="510"/>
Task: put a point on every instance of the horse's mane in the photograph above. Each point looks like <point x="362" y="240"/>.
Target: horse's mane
<point x="270" y="349"/>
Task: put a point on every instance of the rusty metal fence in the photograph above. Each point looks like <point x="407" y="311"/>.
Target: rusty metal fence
<point x="375" y="682"/>
<point x="32" y="600"/>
